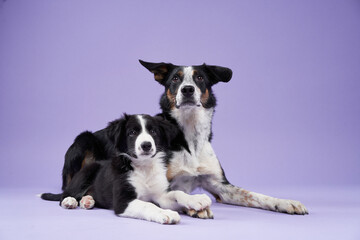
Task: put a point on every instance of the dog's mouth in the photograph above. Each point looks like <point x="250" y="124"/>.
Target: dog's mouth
<point x="187" y="103"/>
<point x="145" y="154"/>
<point x="149" y="154"/>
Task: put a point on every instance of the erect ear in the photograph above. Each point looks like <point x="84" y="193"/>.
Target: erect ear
<point x="218" y="74"/>
<point x="160" y="70"/>
<point x="115" y="130"/>
<point x="174" y="137"/>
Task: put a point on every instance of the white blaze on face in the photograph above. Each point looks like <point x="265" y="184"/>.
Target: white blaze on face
<point x="188" y="78"/>
<point x="188" y="81"/>
<point x="144" y="136"/>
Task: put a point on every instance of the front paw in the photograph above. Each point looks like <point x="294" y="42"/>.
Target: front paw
<point x="290" y="207"/>
<point x="166" y="217"/>
<point x="203" y="214"/>
<point x="122" y="164"/>
<point x="198" y="202"/>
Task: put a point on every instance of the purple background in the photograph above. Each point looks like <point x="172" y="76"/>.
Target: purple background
<point x="290" y="116"/>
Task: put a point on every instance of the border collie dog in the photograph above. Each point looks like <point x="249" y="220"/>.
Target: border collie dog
<point x="135" y="177"/>
<point x="189" y="103"/>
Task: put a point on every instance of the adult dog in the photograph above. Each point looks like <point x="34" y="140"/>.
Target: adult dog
<point x="188" y="101"/>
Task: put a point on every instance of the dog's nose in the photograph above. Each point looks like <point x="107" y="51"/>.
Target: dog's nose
<point x="188" y="91"/>
<point x="146" y="146"/>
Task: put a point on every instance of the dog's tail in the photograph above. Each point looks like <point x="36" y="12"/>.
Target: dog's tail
<point x="51" y="196"/>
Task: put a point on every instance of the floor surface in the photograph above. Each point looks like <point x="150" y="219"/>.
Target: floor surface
<point x="334" y="214"/>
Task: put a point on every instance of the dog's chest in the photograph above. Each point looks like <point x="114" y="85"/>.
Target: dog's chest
<point x="149" y="180"/>
<point x="188" y="171"/>
<point x="196" y="125"/>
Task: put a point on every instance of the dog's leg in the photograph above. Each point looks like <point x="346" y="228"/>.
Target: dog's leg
<point x="150" y="212"/>
<point x="85" y="149"/>
<point x="230" y="194"/>
<point x="197" y="205"/>
<point x="80" y="184"/>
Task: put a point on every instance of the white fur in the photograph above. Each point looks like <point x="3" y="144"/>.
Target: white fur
<point x="69" y="203"/>
<point x="150" y="212"/>
<point x="191" y="169"/>
<point x="149" y="178"/>
<point x="178" y="200"/>
<point x="196" y="125"/>
<point x="87" y="202"/>
<point x="192" y="172"/>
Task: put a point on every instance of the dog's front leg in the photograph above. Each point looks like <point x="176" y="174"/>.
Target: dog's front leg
<point x="230" y="194"/>
<point x="197" y="205"/>
<point x="150" y="212"/>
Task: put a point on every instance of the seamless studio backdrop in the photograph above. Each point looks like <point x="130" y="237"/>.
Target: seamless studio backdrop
<point x="288" y="119"/>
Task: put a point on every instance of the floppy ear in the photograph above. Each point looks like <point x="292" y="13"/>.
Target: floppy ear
<point x="160" y="70"/>
<point x="115" y="131"/>
<point x="218" y="74"/>
<point x="173" y="136"/>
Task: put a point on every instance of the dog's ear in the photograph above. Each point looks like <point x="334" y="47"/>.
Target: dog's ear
<point x="160" y="70"/>
<point x="217" y="73"/>
<point x="173" y="136"/>
<point x="115" y="130"/>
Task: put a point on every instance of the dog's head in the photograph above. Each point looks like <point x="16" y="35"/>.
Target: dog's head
<point x="141" y="136"/>
<point x="188" y="87"/>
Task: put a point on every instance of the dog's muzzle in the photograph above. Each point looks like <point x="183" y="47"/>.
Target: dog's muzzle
<point x="187" y="97"/>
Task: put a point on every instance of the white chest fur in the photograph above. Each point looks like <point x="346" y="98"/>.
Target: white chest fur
<point x="196" y="124"/>
<point x="149" y="179"/>
<point x="187" y="171"/>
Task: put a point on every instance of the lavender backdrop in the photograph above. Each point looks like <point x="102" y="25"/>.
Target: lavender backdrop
<point x="289" y="116"/>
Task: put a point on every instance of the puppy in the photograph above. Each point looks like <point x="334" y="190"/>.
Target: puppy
<point x="109" y="142"/>
<point x="135" y="178"/>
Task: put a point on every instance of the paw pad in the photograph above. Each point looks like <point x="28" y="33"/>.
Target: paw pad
<point x="87" y="202"/>
<point x="69" y="203"/>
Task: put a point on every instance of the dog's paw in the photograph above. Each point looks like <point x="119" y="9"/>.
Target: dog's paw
<point x="203" y="214"/>
<point x="87" y="202"/>
<point x="166" y="217"/>
<point x="198" y="202"/>
<point x="69" y="203"/>
<point x="122" y="163"/>
<point x="290" y="207"/>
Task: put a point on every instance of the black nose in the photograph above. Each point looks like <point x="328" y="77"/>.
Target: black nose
<point x="146" y="146"/>
<point x="188" y="91"/>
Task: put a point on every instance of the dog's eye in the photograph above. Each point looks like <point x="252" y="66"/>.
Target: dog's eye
<point x="132" y="133"/>
<point x="152" y="131"/>
<point x="175" y="79"/>
<point x="200" y="78"/>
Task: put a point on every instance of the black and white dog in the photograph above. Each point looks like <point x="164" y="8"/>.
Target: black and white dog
<point x="135" y="177"/>
<point x="189" y="102"/>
